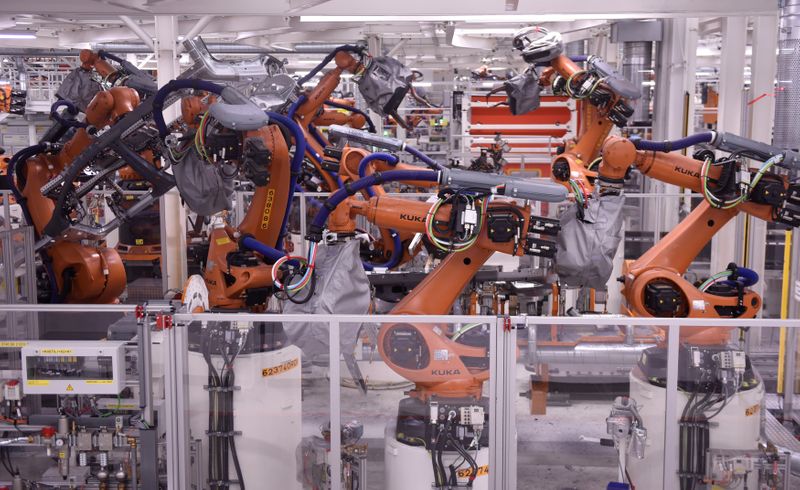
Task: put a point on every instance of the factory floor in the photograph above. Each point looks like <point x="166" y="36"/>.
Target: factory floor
<point x="551" y="454"/>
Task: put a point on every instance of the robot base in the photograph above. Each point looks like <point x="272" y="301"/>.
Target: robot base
<point x="409" y="467"/>
<point x="267" y="413"/>
<point x="736" y="427"/>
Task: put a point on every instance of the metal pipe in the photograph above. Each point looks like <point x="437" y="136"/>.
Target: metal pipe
<point x="315" y="47"/>
<point x="196" y="29"/>
<point x="14" y="440"/>
<point x="134" y="464"/>
<point x="589" y="353"/>
<point x="145" y="370"/>
<point x="397" y="47"/>
<point x="137" y="29"/>
<point x="140" y="48"/>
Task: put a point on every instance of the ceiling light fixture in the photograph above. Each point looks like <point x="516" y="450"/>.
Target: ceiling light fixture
<point x="17" y="35"/>
<point x="475" y="19"/>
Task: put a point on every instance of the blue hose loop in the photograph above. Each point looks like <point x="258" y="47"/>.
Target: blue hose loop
<point x="296" y="105"/>
<point x="362" y="166"/>
<point x="744" y="276"/>
<point x="668" y="146"/>
<point x="394" y="259"/>
<point x="71" y="109"/>
<point x="269" y="253"/>
<point x="174" y="86"/>
<point x="296" y="166"/>
<point x="391" y="176"/>
<point x="397" y="253"/>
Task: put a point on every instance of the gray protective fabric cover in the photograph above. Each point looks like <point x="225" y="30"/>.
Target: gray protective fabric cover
<point x="78" y="88"/>
<point x="523" y="92"/>
<point x="384" y="84"/>
<point x="586" y="248"/>
<point x="206" y="188"/>
<point x="239" y="117"/>
<point x="342" y="288"/>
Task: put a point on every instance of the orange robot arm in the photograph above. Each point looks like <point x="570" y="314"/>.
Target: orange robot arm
<point x="654" y="283"/>
<point x="231" y="273"/>
<point x="83" y="274"/>
<point x="409" y="349"/>
<point x="603" y="107"/>
<point x="311" y="107"/>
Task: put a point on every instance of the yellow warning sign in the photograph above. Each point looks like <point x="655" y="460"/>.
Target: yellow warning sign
<point x="465" y="473"/>
<point x="99" y="381"/>
<point x="70" y="388"/>
<point x="280" y="368"/>
<point x="223" y="241"/>
<point x="56" y="351"/>
<point x="140" y="241"/>
<point x="13" y="344"/>
<point x="38" y="382"/>
<point x="268" y="202"/>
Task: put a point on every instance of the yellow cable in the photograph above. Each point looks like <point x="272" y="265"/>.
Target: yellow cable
<point x="787" y="263"/>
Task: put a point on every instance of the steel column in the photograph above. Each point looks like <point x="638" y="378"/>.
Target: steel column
<point x="172" y="212"/>
<point x="336" y="406"/>
<point x="675" y="78"/>
<point x="762" y="115"/>
<point x="176" y="389"/>
<point x="731" y="84"/>
<point x="671" y="410"/>
<point x="502" y="404"/>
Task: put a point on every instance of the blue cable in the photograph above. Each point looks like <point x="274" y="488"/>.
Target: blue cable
<point x="679" y="144"/>
<point x="296" y="105"/>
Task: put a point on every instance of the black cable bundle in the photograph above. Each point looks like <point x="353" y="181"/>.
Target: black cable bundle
<point x="221" y="386"/>
<point x="467" y="457"/>
<point x="694" y="437"/>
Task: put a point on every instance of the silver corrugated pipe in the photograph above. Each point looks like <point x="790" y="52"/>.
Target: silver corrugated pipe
<point x="620" y="355"/>
<point x="787" y="98"/>
<point x="637" y="64"/>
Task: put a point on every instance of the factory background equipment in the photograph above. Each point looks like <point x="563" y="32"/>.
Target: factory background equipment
<point x="186" y="186"/>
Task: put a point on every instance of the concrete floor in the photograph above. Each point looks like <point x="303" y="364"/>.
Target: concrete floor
<point x="551" y="454"/>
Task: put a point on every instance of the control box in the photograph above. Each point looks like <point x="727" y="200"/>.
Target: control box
<point x="73" y="368"/>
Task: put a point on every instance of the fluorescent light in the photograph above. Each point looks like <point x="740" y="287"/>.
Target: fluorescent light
<point x="422" y="84"/>
<point x="304" y="62"/>
<point x="478" y="19"/>
<point x="16" y="35"/>
<point x="488" y="31"/>
<point x="23" y="22"/>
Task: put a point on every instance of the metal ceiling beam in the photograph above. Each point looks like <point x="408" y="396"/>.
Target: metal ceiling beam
<point x="137" y="29"/>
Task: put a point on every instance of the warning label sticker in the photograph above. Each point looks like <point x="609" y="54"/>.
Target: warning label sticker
<point x="280" y="368"/>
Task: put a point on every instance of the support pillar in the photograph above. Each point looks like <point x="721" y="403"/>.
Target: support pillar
<point x="731" y="85"/>
<point x="173" y="214"/>
<point x="762" y="114"/>
<point x="675" y="79"/>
